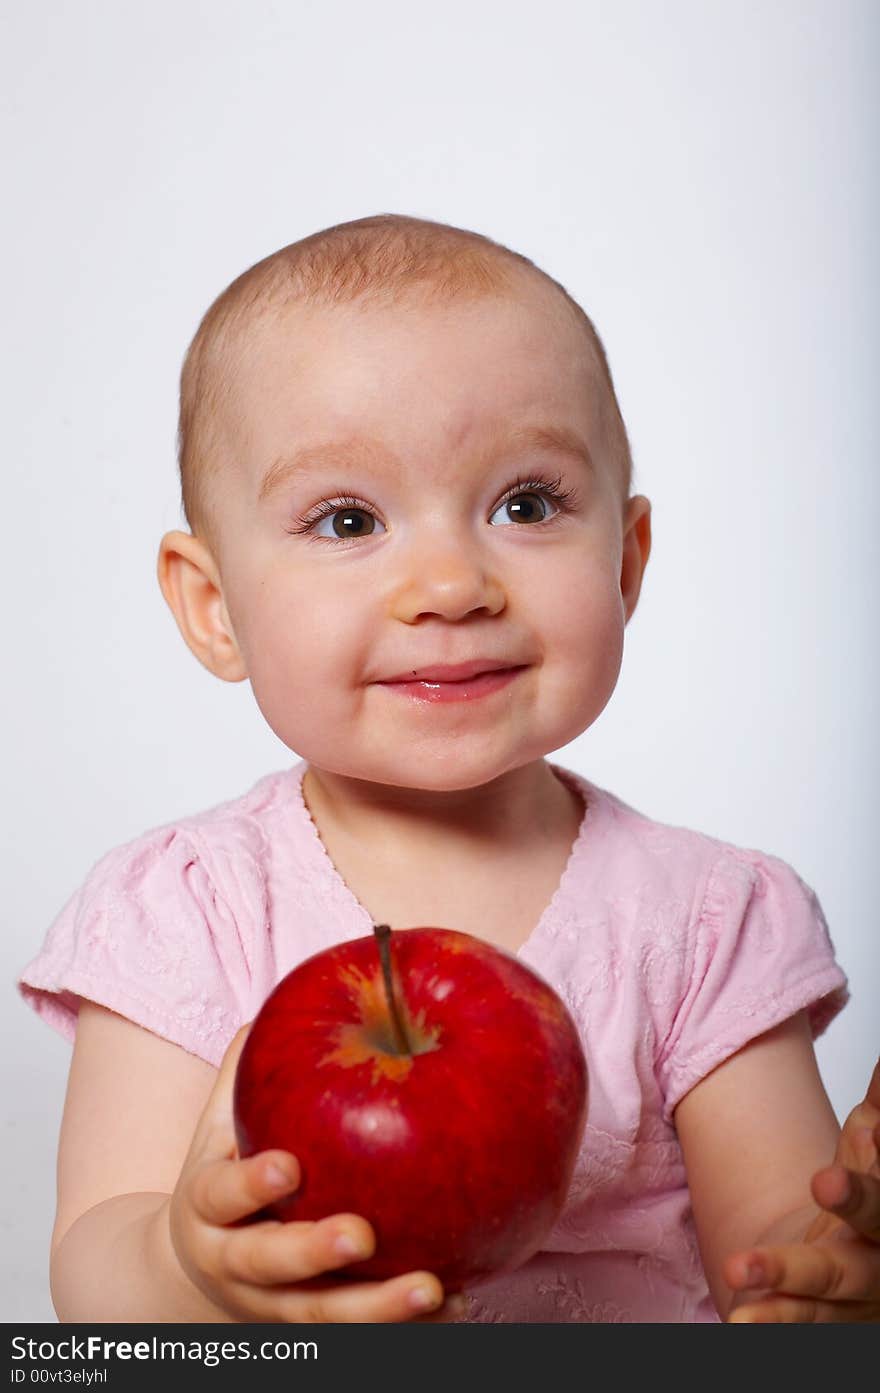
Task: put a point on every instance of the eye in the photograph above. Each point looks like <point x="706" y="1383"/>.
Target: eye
<point x="523" y="507"/>
<point x="339" y="524"/>
<point x="347" y="518"/>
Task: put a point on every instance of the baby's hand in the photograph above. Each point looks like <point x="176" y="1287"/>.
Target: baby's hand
<point x="833" y="1274"/>
<point x="270" y="1271"/>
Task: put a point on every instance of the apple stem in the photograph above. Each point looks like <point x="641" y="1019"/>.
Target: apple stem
<point x="383" y="936"/>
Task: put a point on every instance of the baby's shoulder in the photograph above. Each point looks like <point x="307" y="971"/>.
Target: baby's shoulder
<point x="693" y="924"/>
<point x="168" y="929"/>
<point x="225" y="845"/>
<point x="691" y="878"/>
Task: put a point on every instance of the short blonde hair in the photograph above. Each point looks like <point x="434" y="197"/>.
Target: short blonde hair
<point x="375" y="260"/>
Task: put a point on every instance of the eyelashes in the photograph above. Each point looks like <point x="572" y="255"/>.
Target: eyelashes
<point x="326" y="510"/>
<point x="564" y="499"/>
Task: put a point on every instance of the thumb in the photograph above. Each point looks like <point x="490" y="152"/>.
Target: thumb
<point x="856" y="1148"/>
<point x="214" y="1137"/>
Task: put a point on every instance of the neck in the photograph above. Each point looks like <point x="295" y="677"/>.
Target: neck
<point x="518" y="809"/>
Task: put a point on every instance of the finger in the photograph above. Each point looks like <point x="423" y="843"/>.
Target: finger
<point x="786" y="1310"/>
<point x="411" y="1297"/>
<point x="453" y="1309"/>
<point x="864" y="1117"/>
<point x="417" y="1296"/>
<point x="839" y="1271"/>
<point x="866" y="1146"/>
<point x="215" y="1135"/>
<point x="273" y="1253"/>
<point x="872" y="1093"/>
<point x="284" y="1253"/>
<point x="226" y="1191"/>
<point x="851" y="1195"/>
<point x="281" y="1253"/>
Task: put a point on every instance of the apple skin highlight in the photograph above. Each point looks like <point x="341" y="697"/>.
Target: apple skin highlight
<point x="459" y="1152"/>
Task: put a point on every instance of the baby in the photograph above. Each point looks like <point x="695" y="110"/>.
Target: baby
<point x="407" y="483"/>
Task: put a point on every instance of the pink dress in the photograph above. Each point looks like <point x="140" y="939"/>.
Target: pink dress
<point x="671" y="949"/>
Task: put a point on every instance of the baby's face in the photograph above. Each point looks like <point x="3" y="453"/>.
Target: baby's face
<point x="363" y="533"/>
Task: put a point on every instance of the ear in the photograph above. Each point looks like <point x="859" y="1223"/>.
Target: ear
<point x="190" y="582"/>
<point x="636" y="550"/>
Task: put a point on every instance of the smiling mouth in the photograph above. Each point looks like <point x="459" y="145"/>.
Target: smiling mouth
<point x="458" y="681"/>
<point x="453" y="672"/>
<point x="433" y="689"/>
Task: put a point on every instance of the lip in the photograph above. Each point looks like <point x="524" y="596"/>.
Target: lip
<point x="452" y="672"/>
<point x="430" y="690"/>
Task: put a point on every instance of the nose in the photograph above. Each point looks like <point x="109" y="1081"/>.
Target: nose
<point x="448" y="580"/>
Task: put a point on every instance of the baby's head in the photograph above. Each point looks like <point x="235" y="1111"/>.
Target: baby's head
<point x="400" y="447"/>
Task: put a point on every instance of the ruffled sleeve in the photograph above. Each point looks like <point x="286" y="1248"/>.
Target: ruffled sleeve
<point x="148" y="936"/>
<point x="760" y="952"/>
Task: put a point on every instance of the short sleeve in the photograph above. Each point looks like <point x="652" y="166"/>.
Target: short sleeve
<point x="148" y="936"/>
<point x="760" y="952"/>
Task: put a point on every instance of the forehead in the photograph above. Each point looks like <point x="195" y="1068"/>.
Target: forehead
<point x="423" y="377"/>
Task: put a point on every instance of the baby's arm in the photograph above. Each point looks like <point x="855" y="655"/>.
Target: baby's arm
<point x="150" y="1189"/>
<point x="132" y="1103"/>
<point x="765" y="1162"/>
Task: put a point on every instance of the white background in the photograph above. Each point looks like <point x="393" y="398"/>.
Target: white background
<point x="699" y="175"/>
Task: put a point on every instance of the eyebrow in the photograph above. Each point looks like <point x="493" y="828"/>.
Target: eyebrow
<point x="364" y="450"/>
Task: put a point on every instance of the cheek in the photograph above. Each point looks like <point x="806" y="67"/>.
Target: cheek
<point x="584" y="642"/>
<point x="302" y="648"/>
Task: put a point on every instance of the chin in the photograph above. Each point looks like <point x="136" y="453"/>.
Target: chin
<point x="450" y="769"/>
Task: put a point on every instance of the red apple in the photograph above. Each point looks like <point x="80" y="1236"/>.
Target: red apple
<point x="428" y="1081"/>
